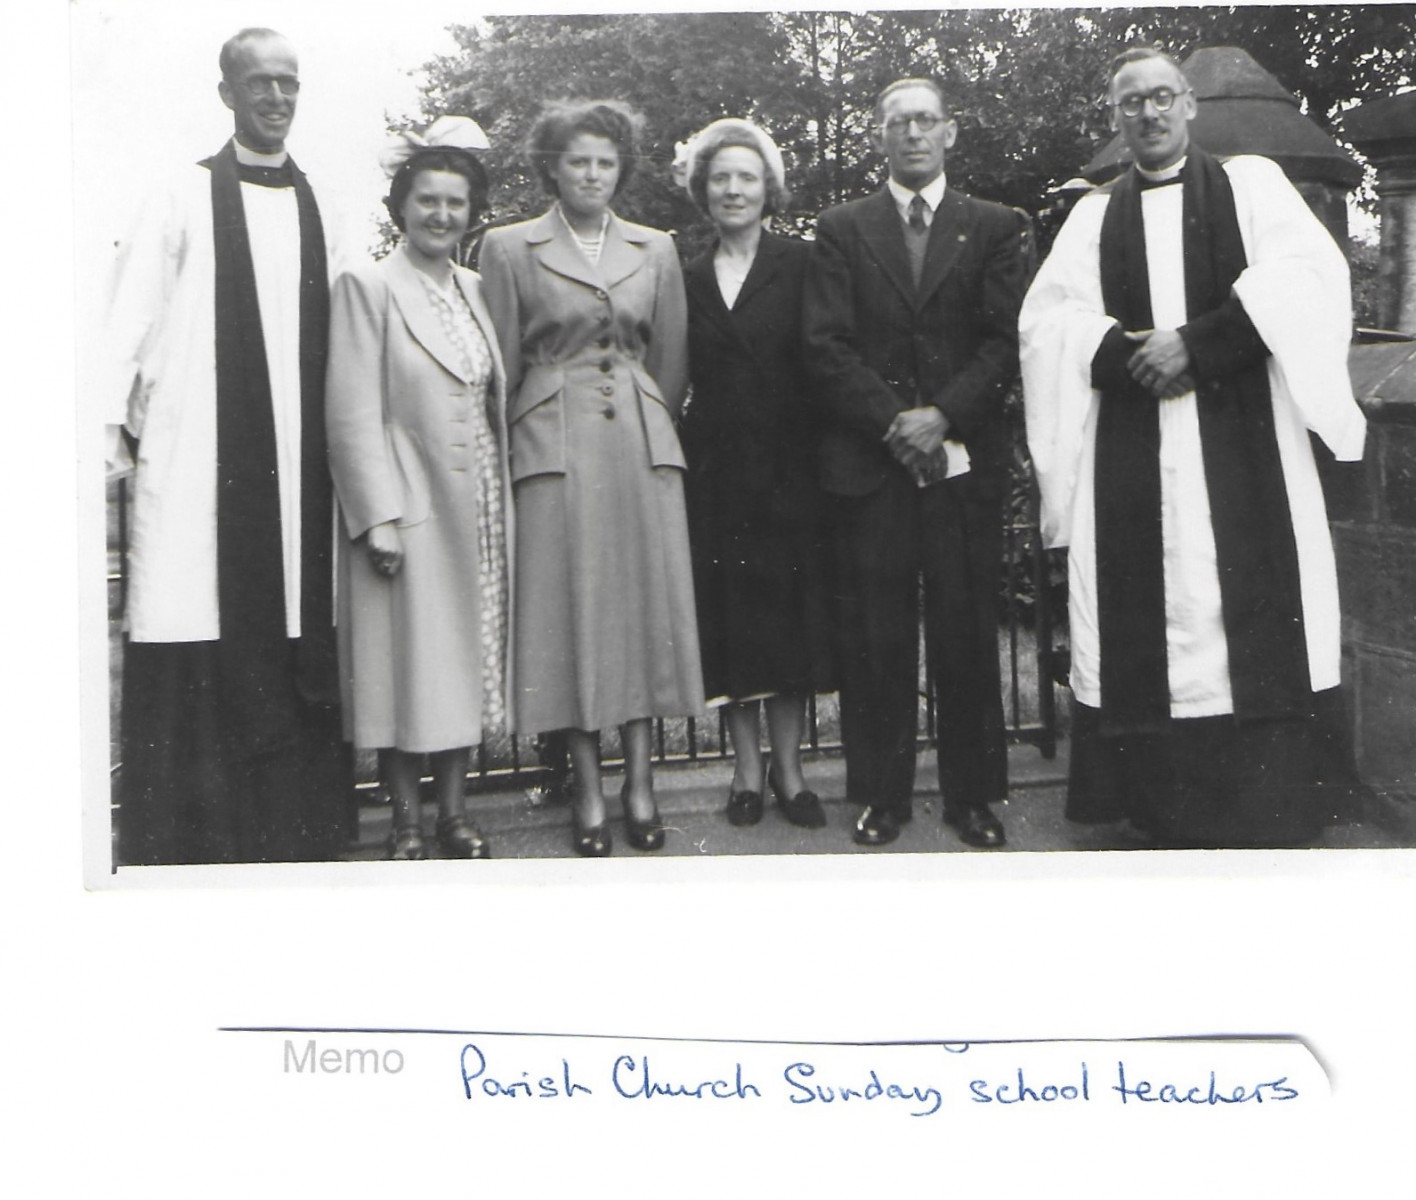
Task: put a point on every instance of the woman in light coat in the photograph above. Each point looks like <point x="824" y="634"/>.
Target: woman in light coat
<point x="591" y="315"/>
<point x="415" y="400"/>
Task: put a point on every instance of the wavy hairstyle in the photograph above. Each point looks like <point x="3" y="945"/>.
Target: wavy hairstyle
<point x="562" y="120"/>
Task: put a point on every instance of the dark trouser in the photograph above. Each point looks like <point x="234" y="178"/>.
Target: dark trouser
<point x="1216" y="782"/>
<point x="885" y="543"/>
<point x="190" y="791"/>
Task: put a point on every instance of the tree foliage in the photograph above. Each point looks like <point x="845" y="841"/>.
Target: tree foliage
<point x="1026" y="84"/>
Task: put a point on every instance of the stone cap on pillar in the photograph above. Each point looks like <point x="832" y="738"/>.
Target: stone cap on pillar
<point x="1242" y="109"/>
<point x="1383" y="127"/>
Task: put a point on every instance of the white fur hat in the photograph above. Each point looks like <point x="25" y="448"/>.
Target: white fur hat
<point x="734" y="130"/>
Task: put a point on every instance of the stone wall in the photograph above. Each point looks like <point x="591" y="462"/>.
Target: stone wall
<point x="1373" y="510"/>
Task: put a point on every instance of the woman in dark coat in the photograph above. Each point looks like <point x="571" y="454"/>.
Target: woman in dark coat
<point x="754" y="510"/>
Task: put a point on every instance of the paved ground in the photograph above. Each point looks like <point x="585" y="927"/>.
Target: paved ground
<point x="691" y="801"/>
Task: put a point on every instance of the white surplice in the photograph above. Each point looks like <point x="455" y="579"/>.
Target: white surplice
<point x="1296" y="291"/>
<point x="157" y="377"/>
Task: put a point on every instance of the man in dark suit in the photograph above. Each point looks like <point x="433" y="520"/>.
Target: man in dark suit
<point x="911" y="334"/>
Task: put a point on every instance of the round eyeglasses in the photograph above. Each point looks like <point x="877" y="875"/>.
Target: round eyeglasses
<point x="1162" y="100"/>
<point x="265" y="85"/>
<point x="924" y="122"/>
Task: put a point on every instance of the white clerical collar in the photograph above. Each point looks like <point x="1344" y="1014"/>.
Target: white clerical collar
<point x="932" y="193"/>
<point x="254" y="158"/>
<point x="1170" y="172"/>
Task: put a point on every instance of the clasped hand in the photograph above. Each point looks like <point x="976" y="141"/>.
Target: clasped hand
<point x="1161" y="363"/>
<point x="916" y="436"/>
<point x="385" y="548"/>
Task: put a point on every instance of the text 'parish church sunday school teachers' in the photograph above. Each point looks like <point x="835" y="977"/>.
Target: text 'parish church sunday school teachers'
<point x="509" y="1074"/>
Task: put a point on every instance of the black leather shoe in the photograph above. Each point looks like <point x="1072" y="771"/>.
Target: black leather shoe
<point x="642" y="835"/>
<point x="458" y="838"/>
<point x="405" y="844"/>
<point x="976" y="825"/>
<point x="744" y="808"/>
<point x="804" y="809"/>
<point x="876" y="827"/>
<point x="593" y="842"/>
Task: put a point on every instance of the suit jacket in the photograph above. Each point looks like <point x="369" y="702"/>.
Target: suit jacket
<point x="877" y="345"/>
<point x="559" y="319"/>
<point x="751" y="423"/>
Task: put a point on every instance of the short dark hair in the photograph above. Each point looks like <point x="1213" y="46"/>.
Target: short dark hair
<point x="237" y="41"/>
<point x="1135" y="54"/>
<point x="899" y="85"/>
<point x="437" y="158"/>
<point x="562" y="120"/>
<point x="777" y="195"/>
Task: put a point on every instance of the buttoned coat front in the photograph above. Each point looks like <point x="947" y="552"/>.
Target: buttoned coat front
<point x="597" y="365"/>
<point x="878" y="344"/>
<point x="398" y="413"/>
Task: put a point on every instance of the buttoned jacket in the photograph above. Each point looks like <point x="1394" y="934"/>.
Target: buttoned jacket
<point x="395" y="386"/>
<point x="571" y="331"/>
<point x="877" y="344"/>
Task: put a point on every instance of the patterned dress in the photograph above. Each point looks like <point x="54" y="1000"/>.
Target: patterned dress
<point x="462" y="330"/>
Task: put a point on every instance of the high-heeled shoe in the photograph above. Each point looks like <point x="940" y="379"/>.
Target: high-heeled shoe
<point x="589" y="841"/>
<point x="405" y="844"/>
<point x="804" y="809"/>
<point x="459" y="838"/>
<point x="643" y="835"/>
<point x="744" y="808"/>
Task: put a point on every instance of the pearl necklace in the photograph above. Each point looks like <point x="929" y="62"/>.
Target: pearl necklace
<point x="591" y="246"/>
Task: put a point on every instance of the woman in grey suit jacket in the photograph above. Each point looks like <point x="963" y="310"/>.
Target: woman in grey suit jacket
<point x="591" y="315"/>
<point x="414" y="396"/>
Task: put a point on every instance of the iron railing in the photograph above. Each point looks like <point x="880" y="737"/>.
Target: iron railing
<point x="1027" y="657"/>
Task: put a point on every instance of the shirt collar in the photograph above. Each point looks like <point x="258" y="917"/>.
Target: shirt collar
<point x="933" y="193"/>
<point x="1165" y="174"/>
<point x="253" y="158"/>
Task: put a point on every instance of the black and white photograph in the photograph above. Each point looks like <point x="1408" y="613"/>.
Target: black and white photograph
<point x="782" y="527"/>
<point x="658" y="476"/>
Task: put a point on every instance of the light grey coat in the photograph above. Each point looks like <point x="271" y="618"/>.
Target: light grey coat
<point x="597" y="366"/>
<point x="397" y="406"/>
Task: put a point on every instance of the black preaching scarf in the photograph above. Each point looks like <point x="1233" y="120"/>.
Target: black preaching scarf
<point x="1257" y="555"/>
<point x="254" y="649"/>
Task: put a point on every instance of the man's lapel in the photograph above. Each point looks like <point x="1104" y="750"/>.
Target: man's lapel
<point x="884" y="239"/>
<point x="948" y="234"/>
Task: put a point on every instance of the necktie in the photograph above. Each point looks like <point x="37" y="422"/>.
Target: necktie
<point x="916" y="237"/>
<point x="917" y="224"/>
